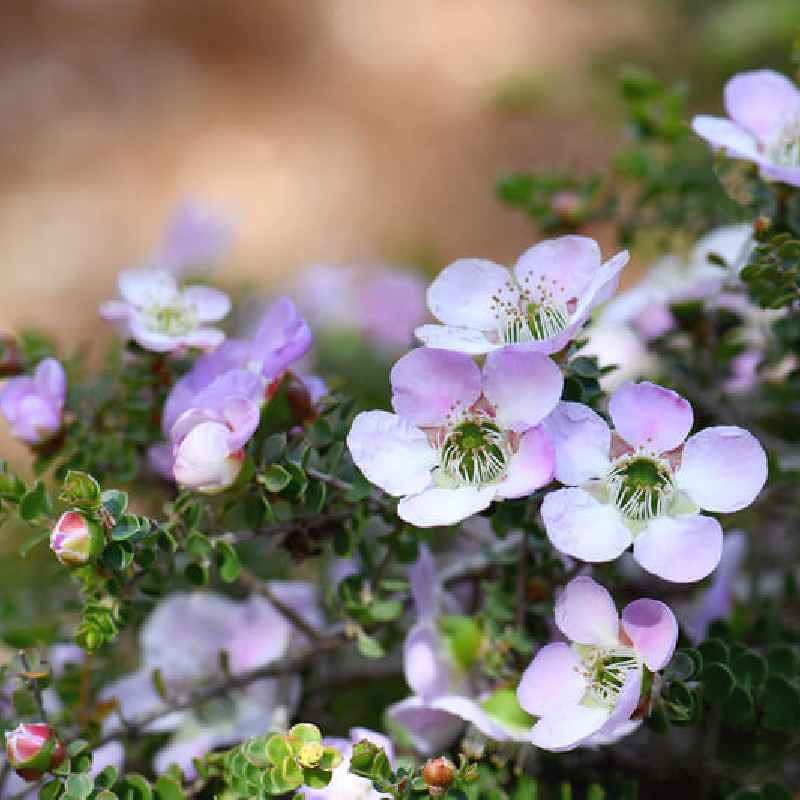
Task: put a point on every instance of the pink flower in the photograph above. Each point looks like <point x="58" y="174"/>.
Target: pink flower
<point x="461" y="438"/>
<point x="34" y="405"/>
<point x="160" y="317"/>
<point x="646" y="483"/>
<point x="764" y="124"/>
<point x="383" y="304"/>
<point x="209" y="443"/>
<point x="539" y="306"/>
<point x="33" y="749"/>
<point x="75" y="539"/>
<point x="586" y="692"/>
<point x="345" y="785"/>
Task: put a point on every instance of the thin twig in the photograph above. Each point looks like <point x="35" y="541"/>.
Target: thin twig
<point x="260" y="587"/>
<point x="33" y="685"/>
<point x="521" y="582"/>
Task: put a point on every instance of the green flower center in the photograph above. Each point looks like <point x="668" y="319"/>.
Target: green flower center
<point x="475" y="452"/>
<point x="783" y="145"/>
<point x="640" y="487"/>
<point x="173" y="319"/>
<point x="605" y="671"/>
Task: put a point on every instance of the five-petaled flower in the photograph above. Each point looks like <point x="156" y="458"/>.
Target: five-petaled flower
<point x="539" y="306"/>
<point x="645" y="482"/>
<point x="587" y="692"/>
<point x="461" y="438"/>
<point x="764" y="124"/>
<point x="161" y="317"/>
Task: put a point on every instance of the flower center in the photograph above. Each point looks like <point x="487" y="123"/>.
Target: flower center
<point x="640" y="486"/>
<point x="605" y="671"/>
<point x="529" y="318"/>
<point x="782" y="147"/>
<point x="171" y="319"/>
<point x="475" y="452"/>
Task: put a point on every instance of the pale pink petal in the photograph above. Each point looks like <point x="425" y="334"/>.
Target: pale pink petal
<point x="114" y="311"/>
<point x="523" y="386"/>
<point x="582" y="441"/>
<point x="424" y="664"/>
<point x="605" y="281"/>
<point x="468" y="710"/>
<point x="431" y="730"/>
<point x="242" y="416"/>
<point x="461" y="340"/>
<point x="531" y="467"/>
<point x="391" y="453"/>
<point x="585" y="613"/>
<point x="568" y="729"/>
<point x="49" y="377"/>
<point x="429" y="386"/>
<point x="144" y="287"/>
<point x="204" y="460"/>
<point x="653" y="629"/>
<point x="210" y="305"/>
<point x="552" y="681"/>
<point x="150" y="339"/>
<point x="649" y="416"/>
<point x="681" y="549"/>
<point x="159" y="459"/>
<point x="424" y="587"/>
<point x="562" y="268"/>
<point x="721" y="133"/>
<point x="723" y="468"/>
<point x="462" y="294"/>
<point x="761" y="101"/>
<point x="204" y="338"/>
<point x="788" y="175"/>
<point x="437" y="506"/>
<point x="190" y="419"/>
<point x="580" y="526"/>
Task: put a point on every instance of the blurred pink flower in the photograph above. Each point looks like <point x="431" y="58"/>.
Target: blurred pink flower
<point x="33" y="405"/>
<point x="764" y="125"/>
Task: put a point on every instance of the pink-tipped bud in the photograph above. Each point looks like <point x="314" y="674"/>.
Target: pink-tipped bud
<point x="75" y="539"/>
<point x="33" y="749"/>
<point x="438" y="774"/>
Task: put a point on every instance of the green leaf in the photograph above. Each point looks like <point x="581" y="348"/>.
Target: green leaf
<point x="228" y="562"/>
<point x="331" y="758"/>
<point x="714" y="650"/>
<point x="127" y="525"/>
<point x="464" y="636"/>
<point x="79" y="786"/>
<point x="77" y="747"/>
<point x="738" y="709"/>
<point x="772" y="790"/>
<point x="781" y="703"/>
<point x="134" y="787"/>
<point x="718" y="682"/>
<point x="34" y="503"/>
<point x="316" y="777"/>
<point x="196" y="573"/>
<point x="385" y="610"/>
<point x="306" y="733"/>
<point x="275" y="478"/>
<point x="369" y="647"/>
<point x="168" y="789"/>
<point x="50" y="791"/>
<point x="782" y="660"/>
<point x="750" y="669"/>
<point x="80" y="490"/>
<point x="277" y="749"/>
<point x="115" y="502"/>
<point x="117" y="556"/>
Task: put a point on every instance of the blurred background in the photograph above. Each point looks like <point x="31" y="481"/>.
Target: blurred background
<point x="332" y="131"/>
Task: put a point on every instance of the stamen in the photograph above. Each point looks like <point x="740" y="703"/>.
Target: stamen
<point x="605" y="670"/>
<point x="783" y="146"/>
<point x="475" y="452"/>
<point x="640" y="487"/>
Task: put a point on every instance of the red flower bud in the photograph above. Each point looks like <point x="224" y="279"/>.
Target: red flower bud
<point x="438" y="775"/>
<point x="33" y="749"/>
<point x="75" y="539"/>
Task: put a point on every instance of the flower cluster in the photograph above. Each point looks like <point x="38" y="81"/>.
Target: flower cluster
<point x="34" y="405"/>
<point x="463" y="436"/>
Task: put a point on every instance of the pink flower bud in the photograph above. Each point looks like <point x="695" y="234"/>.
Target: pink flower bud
<point x="75" y="539"/>
<point x="438" y="775"/>
<point x="33" y="749"/>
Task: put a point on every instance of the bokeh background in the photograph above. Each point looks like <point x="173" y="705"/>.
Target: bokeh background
<point x="327" y="130"/>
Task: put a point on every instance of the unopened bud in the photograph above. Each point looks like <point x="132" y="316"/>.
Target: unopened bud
<point x="75" y="539"/>
<point x="438" y="775"/>
<point x="568" y="206"/>
<point x="762" y="224"/>
<point x="33" y="749"/>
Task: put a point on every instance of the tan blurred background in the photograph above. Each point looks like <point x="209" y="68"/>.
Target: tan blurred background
<point x="329" y="130"/>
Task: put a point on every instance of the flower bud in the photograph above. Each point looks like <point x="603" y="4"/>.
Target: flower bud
<point x="33" y="749"/>
<point x="568" y="206"/>
<point x="10" y="364"/>
<point x="75" y="539"/>
<point x="438" y="775"/>
<point x="205" y="460"/>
